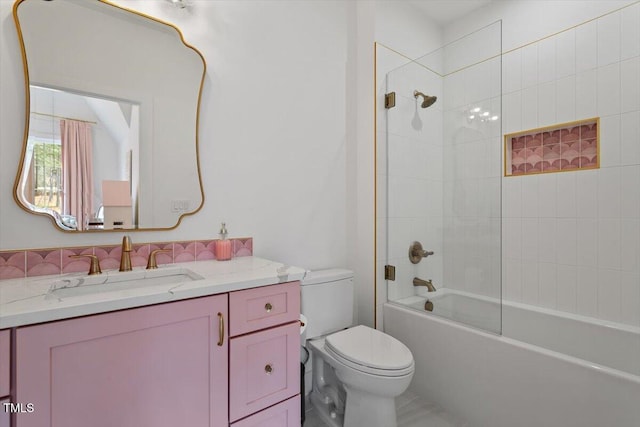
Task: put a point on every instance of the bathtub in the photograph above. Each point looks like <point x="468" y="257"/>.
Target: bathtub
<point x="546" y="369"/>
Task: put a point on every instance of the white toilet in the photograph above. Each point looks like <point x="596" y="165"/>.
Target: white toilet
<point x="357" y="372"/>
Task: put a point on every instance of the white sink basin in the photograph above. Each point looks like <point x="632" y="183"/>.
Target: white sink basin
<point x="117" y="281"/>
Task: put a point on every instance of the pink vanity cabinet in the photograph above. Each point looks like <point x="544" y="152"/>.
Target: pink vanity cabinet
<point x="157" y="366"/>
<point x="264" y="356"/>
<point x="5" y="374"/>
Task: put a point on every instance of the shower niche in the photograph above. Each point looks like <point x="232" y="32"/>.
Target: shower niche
<point x="439" y="171"/>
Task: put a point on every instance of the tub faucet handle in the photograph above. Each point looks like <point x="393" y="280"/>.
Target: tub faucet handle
<point x="416" y="253"/>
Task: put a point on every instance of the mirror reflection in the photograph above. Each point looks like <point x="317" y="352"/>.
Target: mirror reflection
<point x="111" y="141"/>
<point x="78" y="161"/>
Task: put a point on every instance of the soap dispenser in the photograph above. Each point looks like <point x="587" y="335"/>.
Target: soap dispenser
<point x="223" y="246"/>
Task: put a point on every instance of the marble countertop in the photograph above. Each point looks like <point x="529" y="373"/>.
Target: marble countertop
<point x="46" y="298"/>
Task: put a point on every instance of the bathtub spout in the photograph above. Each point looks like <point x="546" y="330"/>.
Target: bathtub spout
<point x="427" y="283"/>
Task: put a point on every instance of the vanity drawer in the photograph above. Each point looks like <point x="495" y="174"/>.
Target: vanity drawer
<point x="5" y="362"/>
<point x="260" y="308"/>
<point x="285" y="414"/>
<point x="265" y="369"/>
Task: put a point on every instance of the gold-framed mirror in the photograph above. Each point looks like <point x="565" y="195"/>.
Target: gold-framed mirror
<point x="112" y="110"/>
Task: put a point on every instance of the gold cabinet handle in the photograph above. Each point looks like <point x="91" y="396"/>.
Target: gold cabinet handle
<point x="268" y="369"/>
<point x="220" y="329"/>
<point x="268" y="307"/>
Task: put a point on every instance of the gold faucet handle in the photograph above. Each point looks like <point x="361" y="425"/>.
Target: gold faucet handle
<point x="152" y="263"/>
<point x="94" y="267"/>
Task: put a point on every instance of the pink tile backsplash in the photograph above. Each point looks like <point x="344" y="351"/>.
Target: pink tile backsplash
<point x="562" y="149"/>
<point x="13" y="264"/>
<point x="38" y="262"/>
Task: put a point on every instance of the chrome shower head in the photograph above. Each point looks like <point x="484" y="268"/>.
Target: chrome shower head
<point x="427" y="101"/>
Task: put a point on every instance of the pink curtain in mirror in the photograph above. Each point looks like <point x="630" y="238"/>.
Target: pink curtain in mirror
<point x="77" y="170"/>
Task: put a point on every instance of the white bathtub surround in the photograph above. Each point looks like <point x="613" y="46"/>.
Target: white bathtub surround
<point x="498" y="381"/>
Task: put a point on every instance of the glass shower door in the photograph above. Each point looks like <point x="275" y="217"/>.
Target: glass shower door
<point x="443" y="181"/>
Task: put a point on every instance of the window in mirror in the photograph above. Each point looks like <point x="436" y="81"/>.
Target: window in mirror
<point x="76" y="144"/>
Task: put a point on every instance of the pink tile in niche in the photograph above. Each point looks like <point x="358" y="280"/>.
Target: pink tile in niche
<point x="517" y="143"/>
<point x="43" y="263"/>
<point x="549" y="138"/>
<point x="589" y="131"/>
<point x="570" y="134"/>
<point x="12" y="264"/>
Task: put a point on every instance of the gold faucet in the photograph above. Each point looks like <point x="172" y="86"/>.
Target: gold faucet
<point x="427" y="283"/>
<point x="125" y="257"/>
<point x="152" y="263"/>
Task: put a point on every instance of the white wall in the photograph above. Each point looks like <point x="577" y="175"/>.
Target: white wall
<point x="272" y="135"/>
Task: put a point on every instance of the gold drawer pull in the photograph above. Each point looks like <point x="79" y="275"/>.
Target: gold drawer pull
<point x="220" y="329"/>
<point x="268" y="307"/>
<point x="268" y="369"/>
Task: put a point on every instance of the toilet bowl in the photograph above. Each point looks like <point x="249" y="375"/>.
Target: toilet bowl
<point x="356" y="371"/>
<point x="371" y="369"/>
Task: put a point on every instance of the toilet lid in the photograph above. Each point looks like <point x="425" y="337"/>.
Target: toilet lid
<point x="370" y="348"/>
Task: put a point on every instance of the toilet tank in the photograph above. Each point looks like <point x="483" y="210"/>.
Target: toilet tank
<point x="327" y="301"/>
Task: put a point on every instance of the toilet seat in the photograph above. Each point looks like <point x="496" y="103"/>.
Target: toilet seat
<point x="371" y="351"/>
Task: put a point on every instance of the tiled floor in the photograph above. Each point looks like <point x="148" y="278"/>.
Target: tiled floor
<point x="413" y="411"/>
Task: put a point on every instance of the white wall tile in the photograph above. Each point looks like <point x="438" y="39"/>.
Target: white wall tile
<point x="609" y="250"/>
<point x="610" y="142"/>
<point x="548" y="243"/>
<point x="512" y="237"/>
<point x="630" y="32"/>
<point x="548" y="283"/>
<point x="630" y="203"/>
<point x="566" y="195"/>
<point x="609" y="197"/>
<point x="630" y="84"/>
<point x="530" y="196"/>
<point x="587" y="291"/>
<point x="547" y="60"/>
<point x="586" y="46"/>
<point x="512" y="112"/>
<point x="630" y="138"/>
<point x="567" y="288"/>
<point x="608" y="39"/>
<point x="608" y="85"/>
<point x="512" y="71"/>
<point x="587" y="194"/>
<point x="586" y="94"/>
<point x="512" y="197"/>
<point x="566" y="53"/>
<point x="609" y="294"/>
<point x="530" y="65"/>
<point x="512" y="279"/>
<point x="454" y="95"/>
<point x="630" y="298"/>
<point x="630" y="246"/>
<point x="586" y="242"/>
<point x="530" y="107"/>
<point x="567" y="241"/>
<point x="547" y="190"/>
<point x="566" y="99"/>
<point x="530" y="239"/>
<point x="547" y="115"/>
<point x="530" y="279"/>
